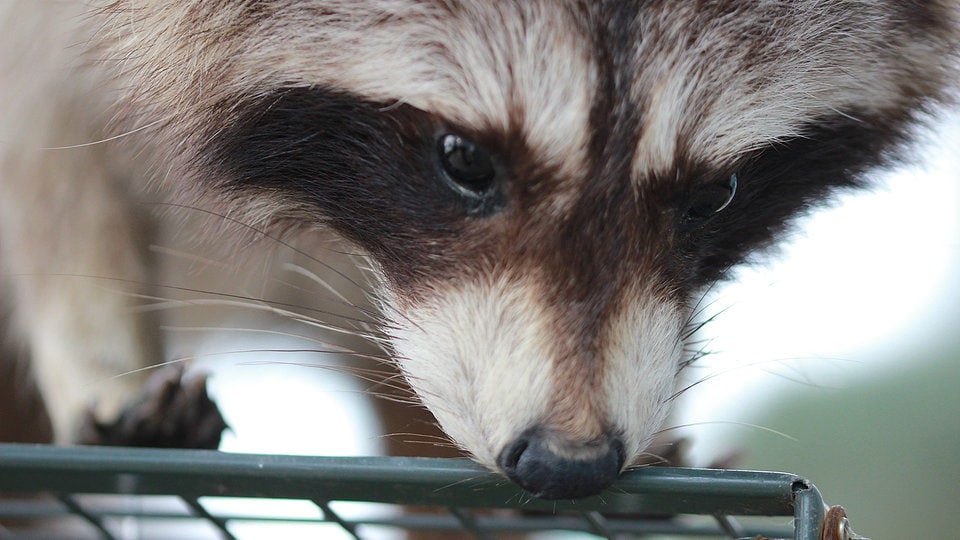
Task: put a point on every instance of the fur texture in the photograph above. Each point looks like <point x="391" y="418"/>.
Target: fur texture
<point x="553" y="300"/>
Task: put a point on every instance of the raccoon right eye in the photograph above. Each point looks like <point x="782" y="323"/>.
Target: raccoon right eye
<point x="710" y="201"/>
<point x="468" y="167"/>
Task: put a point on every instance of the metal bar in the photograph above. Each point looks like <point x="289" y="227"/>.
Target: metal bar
<point x="810" y="511"/>
<point x="331" y="516"/>
<point x="200" y="511"/>
<point x="444" y="483"/>
<point x="411" y="481"/>
<point x="729" y="526"/>
<point x="517" y="523"/>
<point x="32" y="508"/>
<point x="468" y="523"/>
<point x="598" y="524"/>
<point x="78" y="510"/>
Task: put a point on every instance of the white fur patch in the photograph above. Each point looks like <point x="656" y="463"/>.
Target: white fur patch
<point x="643" y="351"/>
<point x="481" y="358"/>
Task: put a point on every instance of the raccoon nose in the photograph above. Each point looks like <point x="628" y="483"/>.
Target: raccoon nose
<point x="552" y="467"/>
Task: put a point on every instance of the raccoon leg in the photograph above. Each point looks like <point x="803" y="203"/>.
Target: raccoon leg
<point x="73" y="241"/>
<point x="22" y="415"/>
<point x="71" y="249"/>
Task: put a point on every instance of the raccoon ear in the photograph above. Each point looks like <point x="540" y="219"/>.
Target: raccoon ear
<point x="467" y="167"/>
<point x="707" y="202"/>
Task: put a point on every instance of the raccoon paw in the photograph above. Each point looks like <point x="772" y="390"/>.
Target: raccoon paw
<point x="172" y="412"/>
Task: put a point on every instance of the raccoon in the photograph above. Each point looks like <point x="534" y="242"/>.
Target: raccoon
<point x="544" y="188"/>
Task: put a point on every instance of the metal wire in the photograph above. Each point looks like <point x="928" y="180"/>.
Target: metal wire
<point x="41" y="485"/>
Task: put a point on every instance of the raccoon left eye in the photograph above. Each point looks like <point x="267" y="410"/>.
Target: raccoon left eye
<point x="708" y="202"/>
<point x="468" y="167"/>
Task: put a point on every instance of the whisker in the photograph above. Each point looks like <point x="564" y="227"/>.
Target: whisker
<point x="143" y="369"/>
<point x="255" y="306"/>
<point x="103" y="141"/>
<point x="379" y="377"/>
<point x="373" y="315"/>
<point x="700" y="307"/>
<point x="180" y="254"/>
<point x="693" y="328"/>
<point x="301" y="309"/>
<point x="411" y="402"/>
<point x="262" y="233"/>
<point x="695" y="355"/>
<point x="468" y="480"/>
<point x="358" y="327"/>
<point x="730" y="422"/>
<point x="314" y="277"/>
<point x="262" y="331"/>
<point x="242" y="301"/>
<point x="425" y="436"/>
<point x="421" y="439"/>
<point x="657" y="460"/>
<point x="756" y="364"/>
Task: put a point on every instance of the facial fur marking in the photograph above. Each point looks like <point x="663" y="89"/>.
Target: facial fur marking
<point x="615" y="117"/>
<point x="783" y="180"/>
<point x="720" y="80"/>
<point x="373" y="172"/>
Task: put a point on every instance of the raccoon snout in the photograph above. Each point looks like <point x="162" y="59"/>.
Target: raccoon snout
<point x="550" y="466"/>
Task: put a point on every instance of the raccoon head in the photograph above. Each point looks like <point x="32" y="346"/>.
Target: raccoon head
<point x="545" y="187"/>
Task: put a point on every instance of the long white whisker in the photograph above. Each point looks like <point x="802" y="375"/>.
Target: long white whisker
<point x="312" y="276"/>
<point x="730" y="422"/>
<point x="145" y="369"/>
<point x="261" y="331"/>
<point x="262" y="233"/>
<point x="273" y="310"/>
<point x="102" y="141"/>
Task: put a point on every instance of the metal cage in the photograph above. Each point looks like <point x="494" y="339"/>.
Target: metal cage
<point x="91" y="492"/>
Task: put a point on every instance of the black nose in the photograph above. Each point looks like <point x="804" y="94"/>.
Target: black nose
<point x="552" y="467"/>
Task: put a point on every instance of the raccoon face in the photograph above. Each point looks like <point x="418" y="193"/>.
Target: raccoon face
<point x="545" y="187"/>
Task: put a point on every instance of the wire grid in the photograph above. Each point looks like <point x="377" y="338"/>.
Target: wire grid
<point x="87" y="492"/>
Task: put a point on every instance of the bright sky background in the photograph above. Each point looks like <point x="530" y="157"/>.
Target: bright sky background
<point x="870" y="273"/>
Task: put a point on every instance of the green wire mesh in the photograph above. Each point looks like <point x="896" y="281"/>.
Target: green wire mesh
<point x="89" y="492"/>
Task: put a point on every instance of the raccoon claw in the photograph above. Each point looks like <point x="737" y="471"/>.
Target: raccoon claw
<point x="171" y="413"/>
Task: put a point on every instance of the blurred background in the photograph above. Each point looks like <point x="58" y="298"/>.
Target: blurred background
<point x="840" y="360"/>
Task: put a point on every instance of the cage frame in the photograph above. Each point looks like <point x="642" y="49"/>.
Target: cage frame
<point x="642" y="501"/>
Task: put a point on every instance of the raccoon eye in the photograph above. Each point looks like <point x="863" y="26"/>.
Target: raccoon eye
<point x="708" y="202"/>
<point x="467" y="166"/>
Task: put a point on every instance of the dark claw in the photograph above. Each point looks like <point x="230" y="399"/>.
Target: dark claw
<point x="171" y="413"/>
